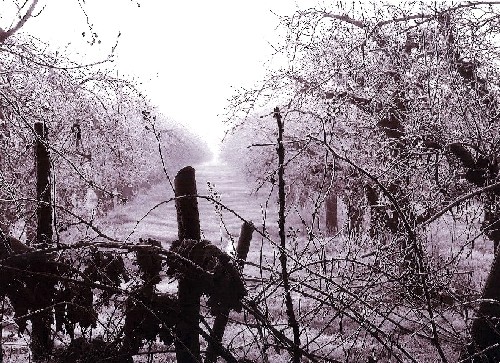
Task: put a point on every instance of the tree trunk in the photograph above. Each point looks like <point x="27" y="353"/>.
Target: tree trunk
<point x="41" y="340"/>
<point x="355" y="217"/>
<point x="485" y="331"/>
<point x="292" y="320"/>
<point x="376" y="215"/>
<point x="491" y="222"/>
<point x="43" y="188"/>
<point x="332" y="224"/>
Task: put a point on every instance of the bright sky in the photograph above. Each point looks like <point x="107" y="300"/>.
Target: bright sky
<point x="188" y="54"/>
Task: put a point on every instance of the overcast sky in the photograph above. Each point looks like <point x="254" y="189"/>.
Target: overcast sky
<point x="188" y="54"/>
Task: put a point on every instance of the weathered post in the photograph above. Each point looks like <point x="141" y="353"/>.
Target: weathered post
<point x="41" y="340"/>
<point x="43" y="191"/>
<point x="187" y="343"/>
<point x="244" y="240"/>
<point x="223" y="315"/>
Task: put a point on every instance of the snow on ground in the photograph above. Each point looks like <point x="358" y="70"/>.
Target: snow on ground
<point x="152" y="215"/>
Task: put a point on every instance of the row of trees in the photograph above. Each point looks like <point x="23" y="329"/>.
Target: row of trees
<point x="408" y="94"/>
<point x="394" y="108"/>
<point x="104" y="141"/>
<point x="104" y="136"/>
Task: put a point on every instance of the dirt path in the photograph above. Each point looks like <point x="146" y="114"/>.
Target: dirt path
<point x="160" y="222"/>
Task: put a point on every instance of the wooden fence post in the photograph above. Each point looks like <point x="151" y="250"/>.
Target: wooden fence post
<point x="187" y="342"/>
<point x="222" y="317"/>
<point x="244" y="240"/>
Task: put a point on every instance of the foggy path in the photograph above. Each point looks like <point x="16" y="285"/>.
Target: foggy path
<point x="161" y="224"/>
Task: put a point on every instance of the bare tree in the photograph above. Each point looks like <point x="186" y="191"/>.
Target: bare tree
<point x="406" y="97"/>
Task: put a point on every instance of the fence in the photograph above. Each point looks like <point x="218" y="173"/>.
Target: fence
<point x="200" y="267"/>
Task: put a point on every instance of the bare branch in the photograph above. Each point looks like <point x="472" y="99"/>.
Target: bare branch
<point x="463" y="198"/>
<point x="5" y="34"/>
<point x="345" y="19"/>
